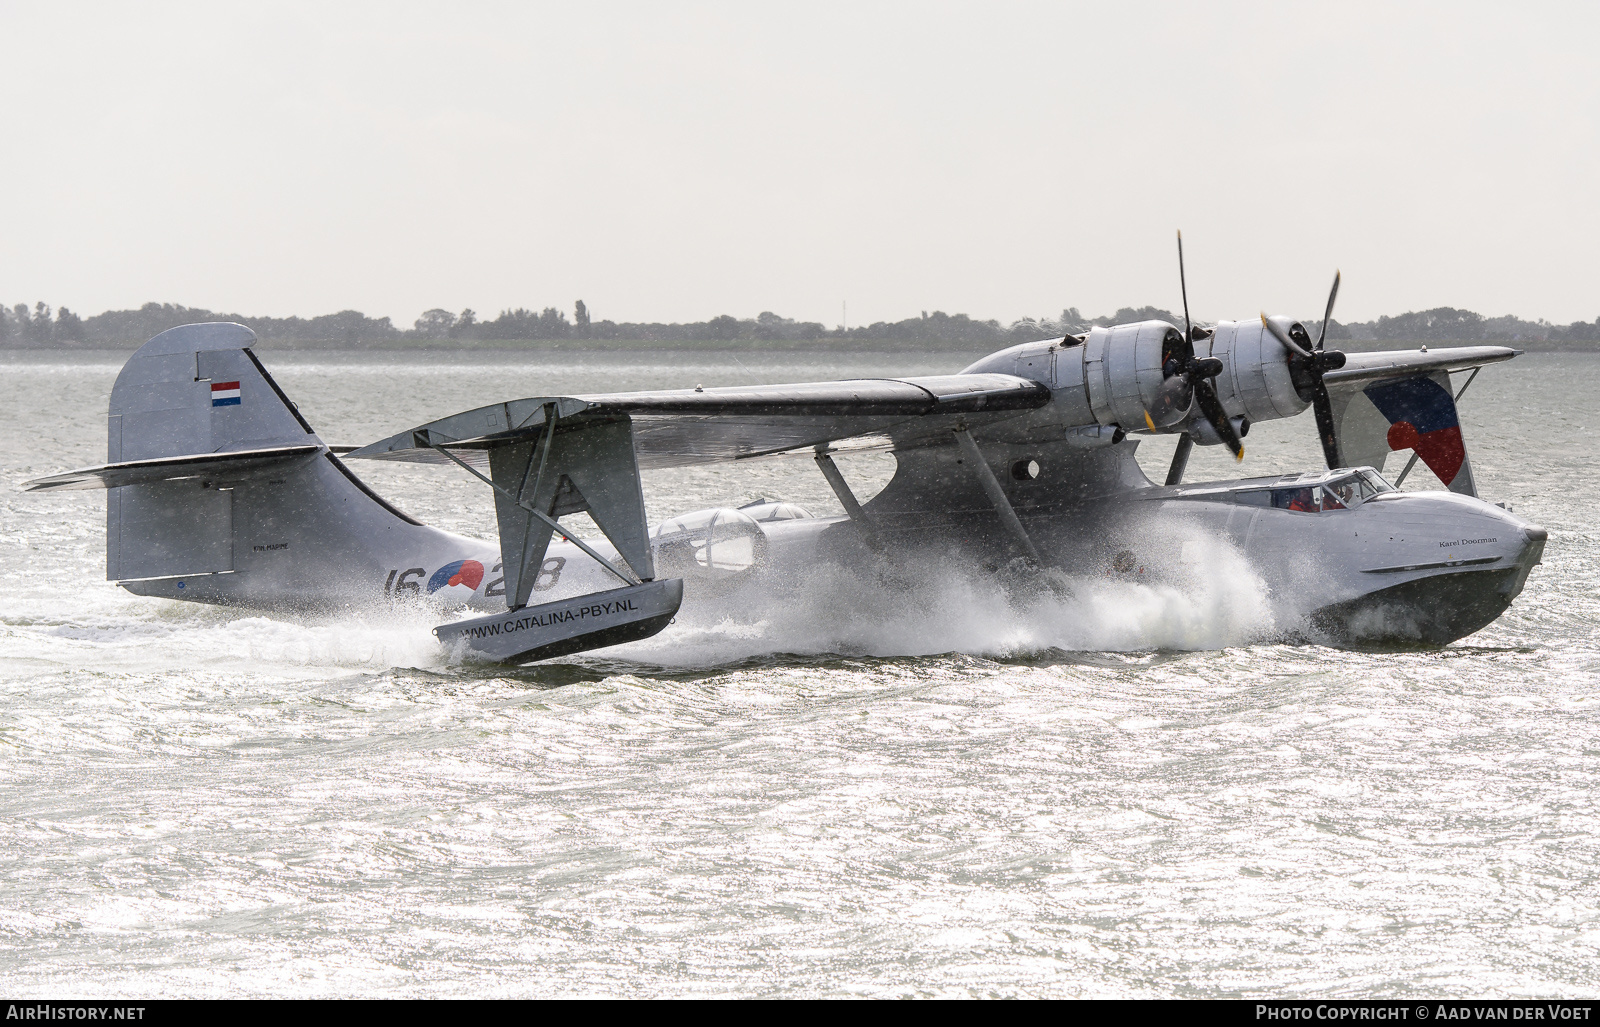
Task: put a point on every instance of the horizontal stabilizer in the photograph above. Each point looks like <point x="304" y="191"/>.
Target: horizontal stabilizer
<point x="236" y="466"/>
<point x="567" y="626"/>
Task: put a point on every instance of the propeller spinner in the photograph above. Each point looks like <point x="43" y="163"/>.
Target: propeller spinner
<point x="1307" y="365"/>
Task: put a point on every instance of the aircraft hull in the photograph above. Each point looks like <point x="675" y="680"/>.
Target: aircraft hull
<point x="1435" y="610"/>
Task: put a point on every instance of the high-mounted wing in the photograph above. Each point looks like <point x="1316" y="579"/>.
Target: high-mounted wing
<point x="689" y="426"/>
<point x="558" y="455"/>
<point x="1361" y="368"/>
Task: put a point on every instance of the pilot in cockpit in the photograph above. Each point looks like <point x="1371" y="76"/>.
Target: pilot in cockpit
<point x="1302" y="500"/>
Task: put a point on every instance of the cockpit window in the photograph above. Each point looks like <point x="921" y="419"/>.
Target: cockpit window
<point x="1299" y="500"/>
<point x="1343" y="493"/>
<point x="1337" y="495"/>
<point x="1346" y="492"/>
<point x="1376" y="482"/>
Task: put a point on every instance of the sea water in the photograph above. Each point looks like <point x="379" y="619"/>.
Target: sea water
<point x="1107" y="790"/>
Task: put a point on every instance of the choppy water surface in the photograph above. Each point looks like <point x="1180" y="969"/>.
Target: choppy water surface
<point x="975" y="794"/>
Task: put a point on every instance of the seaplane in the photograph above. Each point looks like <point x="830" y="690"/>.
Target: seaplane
<point x="1021" y="464"/>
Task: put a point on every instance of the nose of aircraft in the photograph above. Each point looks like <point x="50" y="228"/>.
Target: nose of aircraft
<point x="1533" y="549"/>
<point x="1528" y="539"/>
<point x="1460" y="527"/>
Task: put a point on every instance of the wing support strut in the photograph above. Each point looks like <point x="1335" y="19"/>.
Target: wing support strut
<point x="997" y="495"/>
<point x="847" y="499"/>
<point x="578" y="468"/>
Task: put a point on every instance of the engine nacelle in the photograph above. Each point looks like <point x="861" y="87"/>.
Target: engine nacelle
<point x="1201" y="431"/>
<point x="1114" y="377"/>
<point x="1255" y="379"/>
<point x="1094" y="436"/>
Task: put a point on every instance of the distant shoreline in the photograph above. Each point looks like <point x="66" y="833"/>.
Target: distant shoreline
<point x="552" y="346"/>
<point x="835" y="345"/>
<point x="550" y="331"/>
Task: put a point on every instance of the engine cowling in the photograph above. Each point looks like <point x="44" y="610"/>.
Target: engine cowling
<point x="1255" y="378"/>
<point x="1115" y="376"/>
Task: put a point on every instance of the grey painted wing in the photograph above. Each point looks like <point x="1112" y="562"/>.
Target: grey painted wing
<point x="689" y="426"/>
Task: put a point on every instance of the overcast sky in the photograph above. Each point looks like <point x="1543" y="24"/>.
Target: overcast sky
<point x="677" y="161"/>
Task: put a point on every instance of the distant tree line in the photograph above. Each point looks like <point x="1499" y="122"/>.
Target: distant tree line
<point x="1447" y="324"/>
<point x="39" y="326"/>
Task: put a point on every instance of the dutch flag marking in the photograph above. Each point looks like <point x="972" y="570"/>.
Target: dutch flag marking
<point x="224" y="394"/>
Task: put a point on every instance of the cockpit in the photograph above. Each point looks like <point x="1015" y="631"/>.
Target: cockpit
<point x="1343" y="493"/>
<point x="1318" y="492"/>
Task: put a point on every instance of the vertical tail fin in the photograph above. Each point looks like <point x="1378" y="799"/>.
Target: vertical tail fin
<point x="199" y="389"/>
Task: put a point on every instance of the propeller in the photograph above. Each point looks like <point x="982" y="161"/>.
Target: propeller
<point x="1307" y="364"/>
<point x="1189" y="378"/>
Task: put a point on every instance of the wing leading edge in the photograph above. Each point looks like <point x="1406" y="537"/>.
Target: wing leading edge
<point x="1362" y="368"/>
<point x="689" y="426"/>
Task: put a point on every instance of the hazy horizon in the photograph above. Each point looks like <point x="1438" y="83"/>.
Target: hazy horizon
<point x="677" y="163"/>
<point x="1119" y="316"/>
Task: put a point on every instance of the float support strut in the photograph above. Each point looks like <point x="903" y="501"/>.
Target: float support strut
<point x="997" y="495"/>
<point x="555" y="527"/>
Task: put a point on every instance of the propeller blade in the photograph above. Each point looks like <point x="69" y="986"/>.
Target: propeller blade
<point x="1188" y="331"/>
<point x="1283" y="337"/>
<point x="1327" y="315"/>
<point x="1206" y="393"/>
<point x="1324" y="411"/>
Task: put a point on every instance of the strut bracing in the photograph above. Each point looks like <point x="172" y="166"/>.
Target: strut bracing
<point x="847" y="499"/>
<point x="997" y="495"/>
